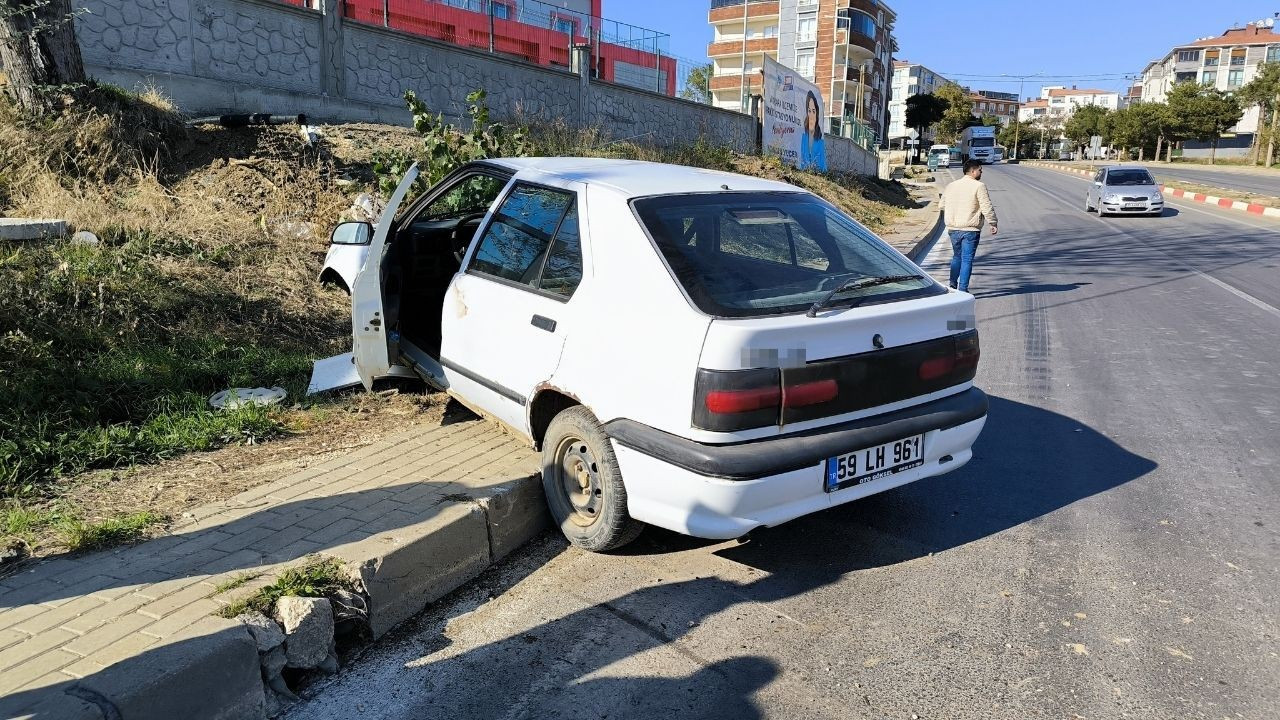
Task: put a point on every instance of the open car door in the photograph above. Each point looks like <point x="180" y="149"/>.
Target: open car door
<point x="370" y="357"/>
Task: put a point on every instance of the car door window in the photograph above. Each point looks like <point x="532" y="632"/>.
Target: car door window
<point x="469" y="196"/>
<point x="563" y="269"/>
<point x="515" y="244"/>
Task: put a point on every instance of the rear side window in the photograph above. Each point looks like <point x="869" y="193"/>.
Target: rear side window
<point x="533" y="240"/>
<point x="749" y="254"/>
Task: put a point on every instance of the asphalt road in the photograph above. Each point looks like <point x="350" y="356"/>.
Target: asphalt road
<point x="1111" y="551"/>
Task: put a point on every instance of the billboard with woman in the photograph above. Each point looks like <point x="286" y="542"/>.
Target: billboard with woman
<point x="793" y="115"/>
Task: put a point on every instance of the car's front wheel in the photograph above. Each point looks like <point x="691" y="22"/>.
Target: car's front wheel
<point x="1087" y="206"/>
<point x="583" y="484"/>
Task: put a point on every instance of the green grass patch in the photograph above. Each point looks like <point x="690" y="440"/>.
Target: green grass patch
<point x="107" y="360"/>
<point x="319" y="578"/>
<point x="80" y="535"/>
<point x="235" y="582"/>
<point x="63" y="526"/>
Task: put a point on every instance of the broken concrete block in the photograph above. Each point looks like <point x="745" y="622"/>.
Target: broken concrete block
<point x="266" y="633"/>
<point x="308" y="629"/>
<point x="31" y="228"/>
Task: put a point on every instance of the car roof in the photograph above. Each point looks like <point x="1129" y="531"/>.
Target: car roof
<point x="638" y="178"/>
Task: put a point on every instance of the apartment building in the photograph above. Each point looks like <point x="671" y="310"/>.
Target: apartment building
<point x="1062" y="101"/>
<point x="842" y="46"/>
<point x="1003" y="105"/>
<point x="1226" y="62"/>
<point x="909" y="79"/>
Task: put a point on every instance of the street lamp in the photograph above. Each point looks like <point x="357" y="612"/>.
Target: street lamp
<point x="1017" y="125"/>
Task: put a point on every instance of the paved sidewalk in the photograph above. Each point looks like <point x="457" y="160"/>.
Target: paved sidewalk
<point x="118" y="626"/>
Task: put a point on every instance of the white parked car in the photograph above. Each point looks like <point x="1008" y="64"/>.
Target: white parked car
<point x="1124" y="190"/>
<point x="696" y="350"/>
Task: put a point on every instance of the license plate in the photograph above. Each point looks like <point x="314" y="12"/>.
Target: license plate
<point x="870" y="464"/>
<point x="1135" y="205"/>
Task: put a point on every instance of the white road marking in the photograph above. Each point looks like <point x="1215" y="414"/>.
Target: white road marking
<point x="1225" y="286"/>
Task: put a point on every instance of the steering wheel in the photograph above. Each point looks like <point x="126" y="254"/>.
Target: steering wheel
<point x="457" y="241"/>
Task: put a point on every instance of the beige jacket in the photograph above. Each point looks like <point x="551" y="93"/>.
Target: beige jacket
<point x="965" y="205"/>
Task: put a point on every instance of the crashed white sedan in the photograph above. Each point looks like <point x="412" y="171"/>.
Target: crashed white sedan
<point x="702" y="351"/>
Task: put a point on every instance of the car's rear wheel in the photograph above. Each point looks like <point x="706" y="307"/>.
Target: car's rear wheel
<point x="583" y="484"/>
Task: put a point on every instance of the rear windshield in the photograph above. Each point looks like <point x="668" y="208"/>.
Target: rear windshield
<point x="1129" y="177"/>
<point x="752" y="254"/>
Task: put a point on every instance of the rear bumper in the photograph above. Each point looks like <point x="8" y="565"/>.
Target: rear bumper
<point x="771" y="456"/>
<point x="726" y="491"/>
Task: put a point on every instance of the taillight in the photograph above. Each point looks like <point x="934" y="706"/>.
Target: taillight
<point x="727" y="400"/>
<point x="810" y="393"/>
<point x="722" y="402"/>
<point x="934" y="368"/>
<point x="959" y="366"/>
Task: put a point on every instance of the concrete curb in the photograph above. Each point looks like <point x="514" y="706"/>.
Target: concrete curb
<point x="407" y="569"/>
<point x="212" y="669"/>
<point x="925" y="239"/>
<point x="1222" y="202"/>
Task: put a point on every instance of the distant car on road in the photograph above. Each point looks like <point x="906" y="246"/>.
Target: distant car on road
<point x="697" y="350"/>
<point x="1124" y="190"/>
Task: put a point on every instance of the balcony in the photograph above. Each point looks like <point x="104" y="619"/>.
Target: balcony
<point x="734" y="82"/>
<point x="723" y="11"/>
<point x="730" y="48"/>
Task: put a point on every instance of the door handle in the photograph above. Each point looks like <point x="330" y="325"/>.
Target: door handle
<point x="543" y="323"/>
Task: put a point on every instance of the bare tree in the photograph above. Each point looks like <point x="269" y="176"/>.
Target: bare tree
<point x="39" y="51"/>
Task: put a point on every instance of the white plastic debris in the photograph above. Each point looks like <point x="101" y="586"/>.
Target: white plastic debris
<point x="84" y="237"/>
<point x="233" y="398"/>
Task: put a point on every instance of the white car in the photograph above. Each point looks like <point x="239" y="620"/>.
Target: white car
<point x="701" y="351"/>
<point x="1124" y="190"/>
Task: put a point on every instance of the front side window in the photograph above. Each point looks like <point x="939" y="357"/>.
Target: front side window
<point x="528" y="228"/>
<point x="754" y="254"/>
<point x="470" y="196"/>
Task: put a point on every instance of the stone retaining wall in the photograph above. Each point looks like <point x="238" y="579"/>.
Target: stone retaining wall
<point x="219" y="56"/>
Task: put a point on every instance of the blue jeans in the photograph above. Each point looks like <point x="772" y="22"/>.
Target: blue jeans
<point x="964" y="245"/>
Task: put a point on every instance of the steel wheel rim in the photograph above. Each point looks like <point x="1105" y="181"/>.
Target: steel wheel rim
<point x="578" y="479"/>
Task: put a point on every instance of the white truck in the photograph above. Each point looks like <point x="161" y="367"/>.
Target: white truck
<point x="978" y="143"/>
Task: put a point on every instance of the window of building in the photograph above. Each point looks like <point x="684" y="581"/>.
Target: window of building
<point x="1209" y="77"/>
<point x="748" y="66"/>
<point x="803" y="3"/>
<point x="771" y="31"/>
<point x="502" y="11"/>
<point x="1235" y="78"/>
<point x="1184" y="77"/>
<point x="1211" y="57"/>
<point x="1237" y="56"/>
<point x="1273" y="53"/>
<point x="564" y="25"/>
<point x="804" y="62"/>
<point x="1188" y="55"/>
<point x="929" y="79"/>
<point x="806" y="28"/>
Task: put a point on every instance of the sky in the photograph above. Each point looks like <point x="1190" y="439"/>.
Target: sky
<point x="1094" y="45"/>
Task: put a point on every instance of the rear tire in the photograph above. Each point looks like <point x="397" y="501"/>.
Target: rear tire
<point x="583" y="485"/>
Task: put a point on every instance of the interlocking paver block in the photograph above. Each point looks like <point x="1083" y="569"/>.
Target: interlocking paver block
<point x="55" y="617"/>
<point x="22" y="676"/>
<point x="181" y="620"/>
<point x="175" y="601"/>
<point x="33" y="647"/>
<point x="105" y="613"/>
<point x="104" y="635"/>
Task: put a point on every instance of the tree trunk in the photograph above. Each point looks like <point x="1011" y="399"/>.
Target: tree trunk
<point x="1275" y="127"/>
<point x="1142" y="151"/>
<point x="39" y="51"/>
<point x="1169" y="150"/>
<point x="1213" y="150"/>
<point x="1159" y="145"/>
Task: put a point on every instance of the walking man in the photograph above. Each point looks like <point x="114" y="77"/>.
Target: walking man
<point x="966" y="206"/>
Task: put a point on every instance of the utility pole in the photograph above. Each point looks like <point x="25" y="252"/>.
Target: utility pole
<point x="743" y="99"/>
<point x="1017" y="127"/>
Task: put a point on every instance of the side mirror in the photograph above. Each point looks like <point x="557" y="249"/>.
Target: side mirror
<point x="352" y="233"/>
<point x="1097" y="183"/>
